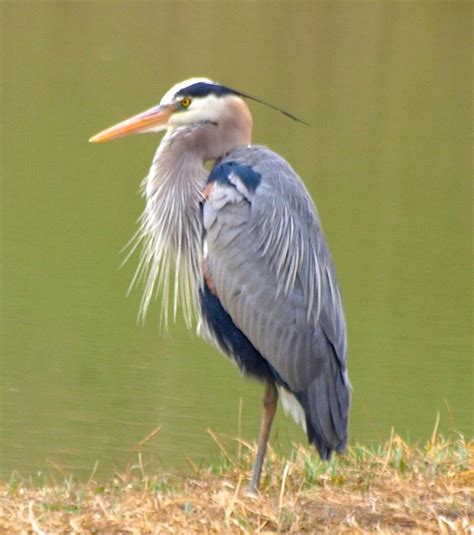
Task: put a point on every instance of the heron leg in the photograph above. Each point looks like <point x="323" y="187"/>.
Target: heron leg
<point x="270" y="401"/>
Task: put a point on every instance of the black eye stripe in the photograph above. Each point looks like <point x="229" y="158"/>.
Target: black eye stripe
<point x="202" y="89"/>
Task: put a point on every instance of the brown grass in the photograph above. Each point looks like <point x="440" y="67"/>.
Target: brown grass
<point x="393" y="488"/>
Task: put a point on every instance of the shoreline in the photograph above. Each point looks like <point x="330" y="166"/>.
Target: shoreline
<point x="389" y="488"/>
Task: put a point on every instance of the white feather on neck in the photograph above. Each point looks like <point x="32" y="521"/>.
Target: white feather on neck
<point x="169" y="228"/>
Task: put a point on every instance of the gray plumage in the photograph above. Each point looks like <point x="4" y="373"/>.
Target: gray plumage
<point x="274" y="275"/>
<point x="242" y="249"/>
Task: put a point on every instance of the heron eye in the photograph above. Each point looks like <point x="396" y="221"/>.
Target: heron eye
<point x="185" y="102"/>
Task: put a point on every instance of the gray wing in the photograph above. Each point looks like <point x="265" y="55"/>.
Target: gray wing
<point x="273" y="274"/>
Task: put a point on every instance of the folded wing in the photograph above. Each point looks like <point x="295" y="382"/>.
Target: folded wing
<point x="273" y="274"/>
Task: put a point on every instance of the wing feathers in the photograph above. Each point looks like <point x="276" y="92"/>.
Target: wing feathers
<point x="267" y="242"/>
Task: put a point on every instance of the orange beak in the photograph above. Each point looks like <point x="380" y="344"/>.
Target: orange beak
<point x="155" y="118"/>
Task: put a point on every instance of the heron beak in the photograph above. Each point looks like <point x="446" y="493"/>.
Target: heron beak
<point x="154" y="119"/>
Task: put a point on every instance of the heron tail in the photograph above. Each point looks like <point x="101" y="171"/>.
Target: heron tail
<point x="326" y="404"/>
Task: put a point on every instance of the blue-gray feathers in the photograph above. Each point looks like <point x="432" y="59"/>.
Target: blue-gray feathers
<point x="225" y="171"/>
<point x="274" y="305"/>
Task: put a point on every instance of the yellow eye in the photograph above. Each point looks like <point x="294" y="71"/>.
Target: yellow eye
<point x="185" y="102"/>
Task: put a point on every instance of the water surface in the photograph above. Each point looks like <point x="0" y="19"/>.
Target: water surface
<point x="387" y="89"/>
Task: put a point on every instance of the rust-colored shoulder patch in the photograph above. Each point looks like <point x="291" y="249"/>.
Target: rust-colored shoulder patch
<point x="208" y="190"/>
<point x="207" y="278"/>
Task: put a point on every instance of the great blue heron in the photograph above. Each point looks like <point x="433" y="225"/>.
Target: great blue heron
<point x="248" y="254"/>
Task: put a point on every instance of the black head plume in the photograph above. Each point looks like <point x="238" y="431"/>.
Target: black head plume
<point x="202" y="89"/>
<point x="276" y="108"/>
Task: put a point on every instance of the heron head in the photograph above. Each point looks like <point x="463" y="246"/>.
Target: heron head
<point x="193" y="103"/>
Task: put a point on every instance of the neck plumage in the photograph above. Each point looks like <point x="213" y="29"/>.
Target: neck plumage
<point x="169" y="228"/>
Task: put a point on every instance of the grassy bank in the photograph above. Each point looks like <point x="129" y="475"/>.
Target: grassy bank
<point x="388" y="489"/>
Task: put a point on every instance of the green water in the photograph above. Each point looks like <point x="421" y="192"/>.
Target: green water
<point x="387" y="89"/>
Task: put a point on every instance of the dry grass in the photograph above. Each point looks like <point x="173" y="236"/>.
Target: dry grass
<point x="394" y="488"/>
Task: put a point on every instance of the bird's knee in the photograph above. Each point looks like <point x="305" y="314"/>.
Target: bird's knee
<point x="270" y="398"/>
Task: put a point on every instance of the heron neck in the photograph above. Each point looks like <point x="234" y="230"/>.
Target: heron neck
<point x="170" y="225"/>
